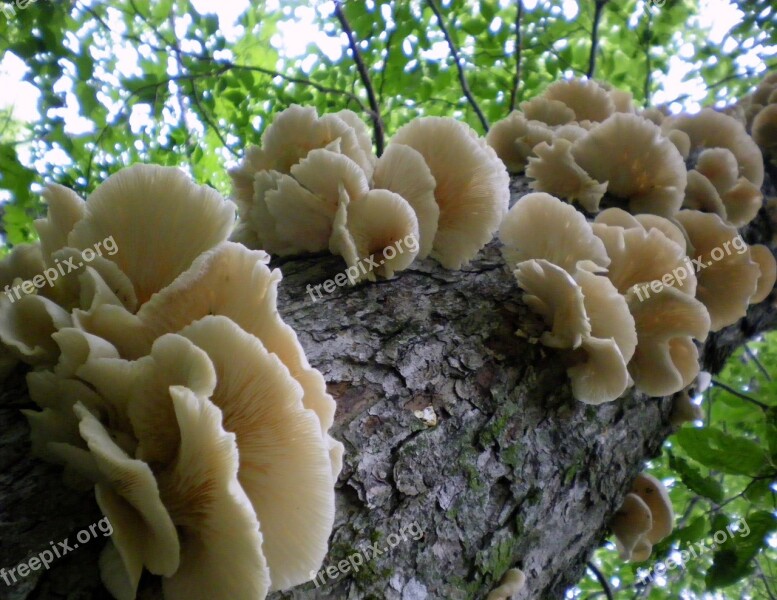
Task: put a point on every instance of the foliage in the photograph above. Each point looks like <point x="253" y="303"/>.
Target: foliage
<point x="158" y="81"/>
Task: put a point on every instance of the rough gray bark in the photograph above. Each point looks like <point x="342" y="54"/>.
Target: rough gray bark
<point x="515" y="473"/>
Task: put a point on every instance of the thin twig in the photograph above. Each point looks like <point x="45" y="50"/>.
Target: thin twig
<point x="459" y="66"/>
<point x="364" y="74"/>
<point x="389" y="40"/>
<point x="648" y="62"/>
<point x="602" y="580"/>
<point x="209" y="121"/>
<point x="517" y="55"/>
<point x="734" y="392"/>
<point x="757" y="362"/>
<point x="598" y="9"/>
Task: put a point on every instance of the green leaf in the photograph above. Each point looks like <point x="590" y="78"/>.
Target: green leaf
<point x="721" y="451"/>
<point x="733" y="561"/>
<point x="695" y="481"/>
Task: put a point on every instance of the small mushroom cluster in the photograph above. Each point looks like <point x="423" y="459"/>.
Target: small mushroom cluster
<point x="758" y="112"/>
<point x="315" y="185"/>
<point x="168" y="382"/>
<point x="645" y="518"/>
<point x="512" y="583"/>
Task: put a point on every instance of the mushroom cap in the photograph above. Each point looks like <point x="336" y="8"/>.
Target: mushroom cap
<point x="472" y="188"/>
<point x="639" y="256"/>
<point x="620" y="218"/>
<point x="548" y="111"/>
<point x="552" y="293"/>
<point x="701" y="195"/>
<point x="512" y="582"/>
<point x="602" y="376"/>
<point x="764" y="128"/>
<point x="653" y="493"/>
<point x="586" y="98"/>
<point x="25" y="261"/>
<point x="666" y="359"/>
<point x="681" y="141"/>
<point x="513" y="139"/>
<point x="685" y="410"/>
<point x="765" y="259"/>
<point x="26" y="327"/>
<point x="402" y="170"/>
<point x="65" y="209"/>
<point x="631" y="522"/>
<point x="637" y="161"/>
<point x="221" y="550"/>
<point x="720" y="166"/>
<point x="323" y="171"/>
<point x="712" y="129"/>
<point x="155" y="215"/>
<point x="642" y="550"/>
<point x="743" y="201"/>
<point x="555" y="171"/>
<point x="379" y="221"/>
<point x="285" y="466"/>
<point x="541" y="226"/>
<point x="725" y="286"/>
<point x="129" y="496"/>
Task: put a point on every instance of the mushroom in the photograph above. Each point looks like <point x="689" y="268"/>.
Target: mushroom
<point x="681" y="141"/>
<point x="543" y="227"/>
<point x="555" y="171"/>
<point x="620" y="218"/>
<point x="65" y="209"/>
<point x="165" y="207"/>
<point x="512" y="582"/>
<point x="631" y="524"/>
<point x="765" y="129"/>
<point x="685" y="410"/>
<point x="221" y="539"/>
<point x="701" y="195"/>
<point x="765" y="259"/>
<point x="128" y="494"/>
<point x="514" y="138"/>
<point x="586" y="98"/>
<point x="367" y="230"/>
<point x="653" y="493"/>
<point x="550" y="112"/>
<point x="472" y="188"/>
<point x="552" y="293"/>
<point x="637" y="161"/>
<point x="26" y="327"/>
<point x="666" y="359"/>
<point x="727" y="278"/>
<point x="402" y="170"/>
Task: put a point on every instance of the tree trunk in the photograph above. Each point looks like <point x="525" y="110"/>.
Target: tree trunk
<point x="515" y="472"/>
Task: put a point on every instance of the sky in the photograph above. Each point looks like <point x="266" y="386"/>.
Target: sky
<point x="295" y="35"/>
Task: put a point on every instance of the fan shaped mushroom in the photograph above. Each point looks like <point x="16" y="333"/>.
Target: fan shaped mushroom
<point x="512" y="583"/>
<point x="472" y="188"/>
<point x="637" y="161"/>
<point x="541" y="226"/>
<point x="586" y="98"/>
<point x="765" y="259"/>
<point x="631" y="523"/>
<point x="653" y="493"/>
<point x="514" y="138"/>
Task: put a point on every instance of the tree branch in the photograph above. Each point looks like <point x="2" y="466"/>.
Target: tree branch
<point x="517" y="55"/>
<point x="459" y="66"/>
<point x="734" y="392"/>
<point x="751" y="355"/>
<point x="364" y="74"/>
<point x="648" y="62"/>
<point x="602" y="580"/>
<point x="598" y="9"/>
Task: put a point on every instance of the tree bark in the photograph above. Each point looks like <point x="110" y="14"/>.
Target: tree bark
<point x="515" y="472"/>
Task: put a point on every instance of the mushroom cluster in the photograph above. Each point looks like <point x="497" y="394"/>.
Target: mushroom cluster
<point x="668" y="243"/>
<point x="168" y="382"/>
<point x="645" y="518"/>
<point x="758" y="112"/>
<point x="315" y="185"/>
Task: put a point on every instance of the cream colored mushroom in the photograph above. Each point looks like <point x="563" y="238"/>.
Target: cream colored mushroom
<point x="637" y="161"/>
<point x="380" y="230"/>
<point x="553" y="294"/>
<point x="685" y="410"/>
<point x="631" y="523"/>
<point x="681" y="141"/>
<point x="127" y="493"/>
<point x="586" y="98"/>
<point x="765" y="259"/>
<point x="26" y="327"/>
<point x="65" y="209"/>
<point x="653" y="493"/>
<point x="701" y="195"/>
<point x="727" y="278"/>
<point x="402" y="170"/>
<point x="514" y="138"/>
<point x="512" y="582"/>
<point x="221" y="540"/>
<point x="666" y="359"/>
<point x="555" y="171"/>
<point x="155" y="215"/>
<point x="765" y="128"/>
<point x="543" y="227"/>
<point x="550" y="112"/>
<point x="472" y="188"/>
